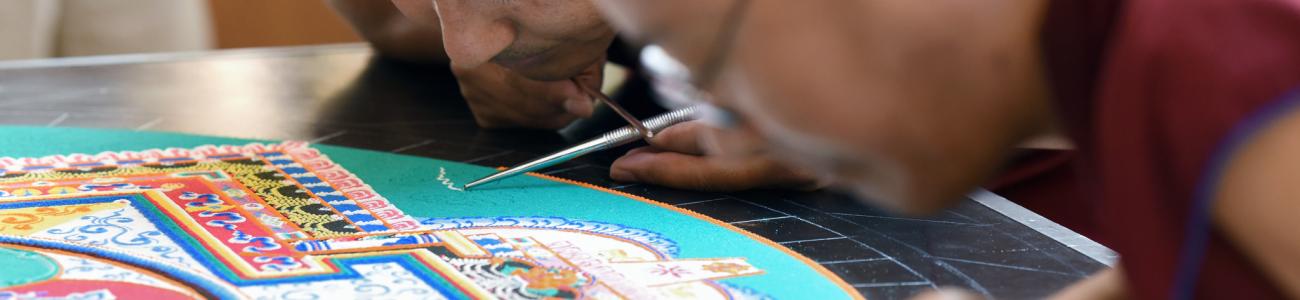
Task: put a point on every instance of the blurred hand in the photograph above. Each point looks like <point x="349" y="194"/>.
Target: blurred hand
<point x="677" y="157"/>
<point x="501" y="98"/>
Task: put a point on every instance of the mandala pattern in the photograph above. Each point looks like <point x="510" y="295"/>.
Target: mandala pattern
<point x="282" y="221"/>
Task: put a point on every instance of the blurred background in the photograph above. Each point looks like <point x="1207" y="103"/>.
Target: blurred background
<point x="59" y="28"/>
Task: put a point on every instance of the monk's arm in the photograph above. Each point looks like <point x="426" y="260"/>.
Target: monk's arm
<point x="390" y="33"/>
<point x="1258" y="199"/>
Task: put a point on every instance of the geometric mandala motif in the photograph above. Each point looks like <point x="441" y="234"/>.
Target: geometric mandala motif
<point x="282" y="221"/>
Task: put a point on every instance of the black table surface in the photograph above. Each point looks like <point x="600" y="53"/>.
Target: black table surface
<point x="341" y="95"/>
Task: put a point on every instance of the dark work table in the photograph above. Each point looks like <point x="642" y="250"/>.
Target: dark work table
<point x="341" y="95"/>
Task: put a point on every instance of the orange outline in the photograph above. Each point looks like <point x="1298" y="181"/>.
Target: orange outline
<point x="59" y="266"/>
<point x="807" y="261"/>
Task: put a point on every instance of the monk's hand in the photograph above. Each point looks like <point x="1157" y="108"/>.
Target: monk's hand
<point x="684" y="156"/>
<point x="501" y="98"/>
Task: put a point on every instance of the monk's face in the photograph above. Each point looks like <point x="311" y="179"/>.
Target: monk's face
<point x="911" y="103"/>
<point x="540" y="39"/>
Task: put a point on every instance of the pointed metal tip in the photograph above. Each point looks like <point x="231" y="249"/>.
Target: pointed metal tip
<point x="475" y="183"/>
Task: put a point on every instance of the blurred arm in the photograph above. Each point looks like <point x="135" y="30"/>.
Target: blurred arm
<point x="1106" y="284"/>
<point x="1256" y="202"/>
<point x="390" y="33"/>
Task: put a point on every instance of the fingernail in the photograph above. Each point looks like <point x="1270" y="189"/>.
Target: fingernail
<point x="580" y="107"/>
<point x="620" y="169"/>
<point x="619" y="174"/>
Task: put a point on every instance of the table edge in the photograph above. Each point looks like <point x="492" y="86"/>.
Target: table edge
<point x="1065" y="236"/>
<point x="158" y="57"/>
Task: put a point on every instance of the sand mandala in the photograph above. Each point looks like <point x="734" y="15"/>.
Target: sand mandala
<point x="100" y="214"/>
